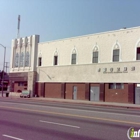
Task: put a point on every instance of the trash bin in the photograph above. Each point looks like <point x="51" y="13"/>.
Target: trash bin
<point x="7" y="94"/>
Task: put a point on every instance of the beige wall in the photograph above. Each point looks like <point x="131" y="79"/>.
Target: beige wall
<point x="84" y="71"/>
<point x="90" y="73"/>
<point x="126" y="39"/>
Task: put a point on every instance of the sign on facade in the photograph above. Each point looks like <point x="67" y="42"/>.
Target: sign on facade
<point x="115" y="70"/>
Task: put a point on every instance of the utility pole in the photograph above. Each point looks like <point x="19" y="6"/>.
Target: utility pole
<point x="3" y="66"/>
<point x="6" y="66"/>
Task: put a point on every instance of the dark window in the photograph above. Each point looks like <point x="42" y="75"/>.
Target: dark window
<point x="20" y="84"/>
<point x="73" y="60"/>
<point x="39" y="61"/>
<point x="112" y="86"/>
<point x="116" y="55"/>
<point x="95" y="57"/>
<point x="55" y="60"/>
<point x="25" y="84"/>
<point x="138" y="53"/>
<point x="116" y="86"/>
<point x="119" y="86"/>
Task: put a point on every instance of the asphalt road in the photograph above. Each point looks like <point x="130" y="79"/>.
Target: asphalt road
<point x="22" y="119"/>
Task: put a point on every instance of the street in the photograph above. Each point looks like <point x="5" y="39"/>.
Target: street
<point x="24" y="119"/>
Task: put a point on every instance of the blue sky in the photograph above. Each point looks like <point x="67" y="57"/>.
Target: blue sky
<point x="57" y="19"/>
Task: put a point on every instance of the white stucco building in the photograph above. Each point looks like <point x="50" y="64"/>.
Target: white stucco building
<point x="97" y="67"/>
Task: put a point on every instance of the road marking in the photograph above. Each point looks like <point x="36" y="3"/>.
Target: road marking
<point x="121" y="114"/>
<point x="72" y="115"/>
<point x="59" y="124"/>
<point x="8" y="136"/>
<point x="101" y="112"/>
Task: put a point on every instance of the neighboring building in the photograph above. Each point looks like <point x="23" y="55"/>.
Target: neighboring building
<point x="23" y="64"/>
<point x="98" y="67"/>
<point x="4" y="81"/>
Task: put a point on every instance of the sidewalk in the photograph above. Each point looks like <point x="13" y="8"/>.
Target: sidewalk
<point x="84" y="102"/>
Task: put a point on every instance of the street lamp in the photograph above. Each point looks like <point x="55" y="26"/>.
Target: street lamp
<point x="3" y="66"/>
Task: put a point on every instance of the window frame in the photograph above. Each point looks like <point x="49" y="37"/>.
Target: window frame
<point x="116" y="86"/>
<point x="116" y="55"/>
<point x="55" y="60"/>
<point x="138" y="54"/>
<point x="95" y="57"/>
<point x="39" y="61"/>
<point x="73" y="59"/>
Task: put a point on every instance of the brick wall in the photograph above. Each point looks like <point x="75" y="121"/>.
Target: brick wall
<point x="116" y="95"/>
<point x="53" y="90"/>
<point x="39" y="89"/>
<point x="102" y="92"/>
<point x="131" y="93"/>
<point x="16" y="87"/>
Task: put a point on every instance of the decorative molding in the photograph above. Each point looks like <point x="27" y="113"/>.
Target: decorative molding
<point x="74" y="51"/>
<point x="95" y="49"/>
<point x="116" y="45"/>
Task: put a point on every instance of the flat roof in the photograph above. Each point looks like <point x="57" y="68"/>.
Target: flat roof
<point x="123" y="29"/>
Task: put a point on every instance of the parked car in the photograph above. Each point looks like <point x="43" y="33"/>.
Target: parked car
<point x="25" y="94"/>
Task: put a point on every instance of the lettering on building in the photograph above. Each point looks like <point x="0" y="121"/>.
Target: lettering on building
<point x="132" y="68"/>
<point x="125" y="69"/>
<point x="99" y="70"/>
<point x="111" y="69"/>
<point x="116" y="70"/>
<point x="104" y="70"/>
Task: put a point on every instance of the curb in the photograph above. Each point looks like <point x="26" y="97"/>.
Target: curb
<point x="99" y="104"/>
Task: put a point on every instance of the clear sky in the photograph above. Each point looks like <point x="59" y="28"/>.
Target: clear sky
<point x="57" y="19"/>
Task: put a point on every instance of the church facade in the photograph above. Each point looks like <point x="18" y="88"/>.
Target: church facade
<point x="98" y="67"/>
